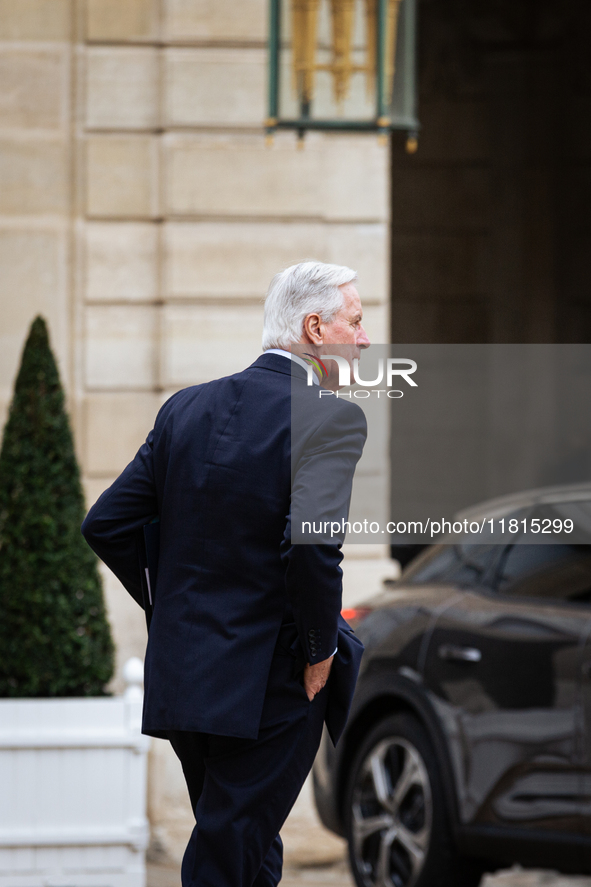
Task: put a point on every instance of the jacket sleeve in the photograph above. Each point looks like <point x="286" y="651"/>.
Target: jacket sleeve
<point x="114" y="525"/>
<point x="321" y="491"/>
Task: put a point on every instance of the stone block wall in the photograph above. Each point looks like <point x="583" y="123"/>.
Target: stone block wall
<point x="143" y="215"/>
<point x="36" y="64"/>
<point x="185" y="214"/>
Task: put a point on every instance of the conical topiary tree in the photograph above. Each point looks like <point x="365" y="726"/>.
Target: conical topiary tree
<point x="54" y="635"/>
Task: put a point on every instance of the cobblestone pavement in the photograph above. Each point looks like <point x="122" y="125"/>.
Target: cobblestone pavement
<point x="314" y="857"/>
<point x="338" y="876"/>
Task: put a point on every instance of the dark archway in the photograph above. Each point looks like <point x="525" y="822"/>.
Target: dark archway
<point x="491" y="219"/>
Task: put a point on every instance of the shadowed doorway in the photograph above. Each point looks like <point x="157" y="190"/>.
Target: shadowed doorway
<point x="491" y="218"/>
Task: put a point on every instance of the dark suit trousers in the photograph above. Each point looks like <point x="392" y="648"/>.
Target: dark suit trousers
<point x="243" y="789"/>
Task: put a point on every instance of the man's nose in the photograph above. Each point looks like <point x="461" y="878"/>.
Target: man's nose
<point x="363" y="339"/>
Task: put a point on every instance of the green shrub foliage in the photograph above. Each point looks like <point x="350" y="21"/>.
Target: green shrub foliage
<point x="54" y="635"/>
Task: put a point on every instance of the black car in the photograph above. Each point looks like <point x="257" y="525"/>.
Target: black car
<point x="468" y="747"/>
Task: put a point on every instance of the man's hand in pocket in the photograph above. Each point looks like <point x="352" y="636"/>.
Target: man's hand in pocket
<point x="316" y="676"/>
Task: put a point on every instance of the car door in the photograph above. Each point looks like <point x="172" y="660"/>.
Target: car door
<point x="503" y="668"/>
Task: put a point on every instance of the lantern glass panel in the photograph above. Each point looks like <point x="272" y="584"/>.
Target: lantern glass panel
<point x="329" y="67"/>
<point x="357" y="99"/>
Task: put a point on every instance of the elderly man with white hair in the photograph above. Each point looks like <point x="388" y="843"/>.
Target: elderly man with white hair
<point x="247" y="653"/>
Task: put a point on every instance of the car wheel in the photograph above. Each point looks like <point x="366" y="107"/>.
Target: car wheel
<point x="396" y="819"/>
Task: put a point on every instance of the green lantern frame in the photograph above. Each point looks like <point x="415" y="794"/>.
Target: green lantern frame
<point x="399" y="114"/>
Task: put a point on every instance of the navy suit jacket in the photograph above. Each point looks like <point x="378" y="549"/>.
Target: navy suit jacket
<point x="219" y="469"/>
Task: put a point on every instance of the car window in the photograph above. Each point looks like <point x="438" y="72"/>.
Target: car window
<point x="556" y="572"/>
<point x="465" y="565"/>
<point x="571" y="519"/>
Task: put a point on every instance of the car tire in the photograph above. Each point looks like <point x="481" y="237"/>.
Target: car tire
<point x="396" y="816"/>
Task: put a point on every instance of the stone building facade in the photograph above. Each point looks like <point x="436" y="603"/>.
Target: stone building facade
<point x="143" y="215"/>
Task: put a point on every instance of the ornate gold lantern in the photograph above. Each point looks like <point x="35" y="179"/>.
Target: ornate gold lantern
<point x="343" y="65"/>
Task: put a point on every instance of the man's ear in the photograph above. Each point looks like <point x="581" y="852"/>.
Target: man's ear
<point x="314" y="329"/>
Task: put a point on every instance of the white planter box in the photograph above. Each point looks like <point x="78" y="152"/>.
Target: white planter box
<point x="73" y="791"/>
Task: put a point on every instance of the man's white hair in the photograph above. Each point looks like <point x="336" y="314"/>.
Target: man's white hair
<point x="307" y="288"/>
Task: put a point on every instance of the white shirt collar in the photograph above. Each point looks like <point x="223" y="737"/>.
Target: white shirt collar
<point x="296" y="358"/>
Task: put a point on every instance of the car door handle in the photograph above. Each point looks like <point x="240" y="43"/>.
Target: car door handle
<point x="454" y="653"/>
